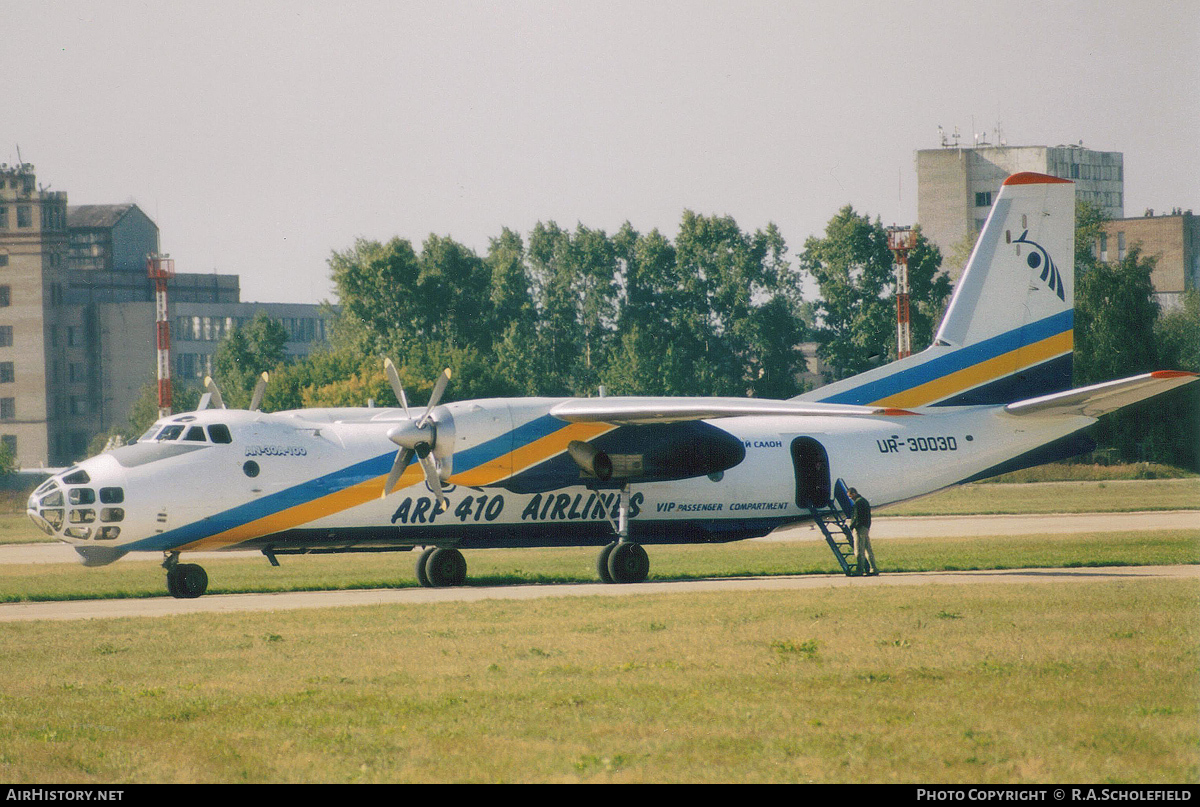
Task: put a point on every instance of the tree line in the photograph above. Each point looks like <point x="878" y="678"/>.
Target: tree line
<point x="717" y="310"/>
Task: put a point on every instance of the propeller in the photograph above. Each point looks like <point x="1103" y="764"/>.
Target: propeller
<point x="210" y="386"/>
<point x="259" y="389"/>
<point x="416" y="436"/>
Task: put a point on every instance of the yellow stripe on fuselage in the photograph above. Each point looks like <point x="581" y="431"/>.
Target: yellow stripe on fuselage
<point x="292" y="517"/>
<point x="487" y="473"/>
<point x="990" y="370"/>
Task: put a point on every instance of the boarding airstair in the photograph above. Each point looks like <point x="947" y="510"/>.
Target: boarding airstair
<point x="832" y="519"/>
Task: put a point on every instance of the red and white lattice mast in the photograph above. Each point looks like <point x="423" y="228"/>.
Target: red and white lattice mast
<point x="900" y="241"/>
<point x="160" y="269"/>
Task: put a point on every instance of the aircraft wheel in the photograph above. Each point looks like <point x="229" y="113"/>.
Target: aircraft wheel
<point x="628" y="563"/>
<point x="422" y="564"/>
<point x="602" y="563"/>
<point x="446" y="567"/>
<point x="187" y="581"/>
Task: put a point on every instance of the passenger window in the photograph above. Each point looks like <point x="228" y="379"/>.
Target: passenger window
<point x="112" y="495"/>
<point x="219" y="433"/>
<point x="195" y="433"/>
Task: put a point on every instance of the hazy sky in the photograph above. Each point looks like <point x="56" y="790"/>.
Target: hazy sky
<point x="262" y="136"/>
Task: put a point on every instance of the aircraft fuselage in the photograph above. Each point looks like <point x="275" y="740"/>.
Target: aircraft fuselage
<point x="314" y="478"/>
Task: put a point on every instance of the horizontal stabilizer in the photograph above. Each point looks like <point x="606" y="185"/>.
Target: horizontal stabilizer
<point x="643" y="410"/>
<point x="1100" y="399"/>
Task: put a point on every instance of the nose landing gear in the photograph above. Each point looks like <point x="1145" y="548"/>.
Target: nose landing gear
<point x="185" y="581"/>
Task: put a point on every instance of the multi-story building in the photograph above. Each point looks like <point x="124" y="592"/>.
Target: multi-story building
<point x="77" y="335"/>
<point x="1173" y="240"/>
<point x="956" y="186"/>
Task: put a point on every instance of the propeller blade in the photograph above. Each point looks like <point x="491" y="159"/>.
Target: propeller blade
<point x="259" y="389"/>
<point x="431" y="478"/>
<point x="211" y="387"/>
<point x="394" y="379"/>
<point x="438" y="389"/>
<point x="403" y="458"/>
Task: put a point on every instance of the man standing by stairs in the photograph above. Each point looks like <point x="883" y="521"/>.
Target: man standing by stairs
<point x="860" y="523"/>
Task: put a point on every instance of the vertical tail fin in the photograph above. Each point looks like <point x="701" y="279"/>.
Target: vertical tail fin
<point x="1008" y="332"/>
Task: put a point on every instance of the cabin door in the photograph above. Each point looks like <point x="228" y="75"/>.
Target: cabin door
<point x="812" y="472"/>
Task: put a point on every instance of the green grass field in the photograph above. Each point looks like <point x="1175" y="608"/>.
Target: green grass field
<point x="1052" y="682"/>
<point x="1087" y="496"/>
<point x="1080" y="682"/>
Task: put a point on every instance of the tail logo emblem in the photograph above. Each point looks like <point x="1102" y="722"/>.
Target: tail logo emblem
<point x="1040" y="259"/>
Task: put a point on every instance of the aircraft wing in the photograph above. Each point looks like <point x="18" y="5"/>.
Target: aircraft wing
<point x="1100" y="399"/>
<point x="646" y="410"/>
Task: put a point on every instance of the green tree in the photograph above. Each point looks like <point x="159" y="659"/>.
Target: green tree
<point x="1115" y="314"/>
<point x="245" y="354"/>
<point x="1177" y="414"/>
<point x="714" y="313"/>
<point x="856" y="312"/>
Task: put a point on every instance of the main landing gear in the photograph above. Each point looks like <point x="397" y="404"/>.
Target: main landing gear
<point x="439" y="567"/>
<point x="623" y="561"/>
<point x="185" y="581"/>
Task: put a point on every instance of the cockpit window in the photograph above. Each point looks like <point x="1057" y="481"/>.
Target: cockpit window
<point x="79" y="477"/>
<point x="219" y="433"/>
<point x="148" y="436"/>
<point x="169" y="433"/>
<point x="195" y="433"/>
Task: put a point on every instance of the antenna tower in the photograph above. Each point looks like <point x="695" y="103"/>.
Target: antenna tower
<point x="900" y="241"/>
<point x="160" y="269"/>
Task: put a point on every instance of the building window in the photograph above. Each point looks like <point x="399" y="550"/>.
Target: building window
<point x="5" y="336"/>
<point x="3" y="214"/>
<point x="9" y="441"/>
<point x="5" y="296"/>
<point x="3" y="259"/>
<point x="6" y="372"/>
<point x="1104" y="247"/>
<point x="1120" y="246"/>
<point x="8" y="408"/>
<point x="24" y="216"/>
<point x="983" y="199"/>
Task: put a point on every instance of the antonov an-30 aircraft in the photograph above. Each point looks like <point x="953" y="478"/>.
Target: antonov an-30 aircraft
<point x="990" y="395"/>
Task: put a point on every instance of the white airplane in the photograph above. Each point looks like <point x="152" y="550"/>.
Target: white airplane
<point x="990" y="395"/>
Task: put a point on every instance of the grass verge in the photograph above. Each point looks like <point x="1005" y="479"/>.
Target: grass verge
<point x="1084" y="682"/>
<point x="239" y="574"/>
